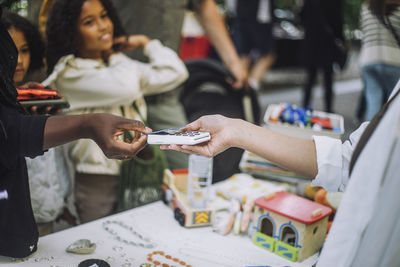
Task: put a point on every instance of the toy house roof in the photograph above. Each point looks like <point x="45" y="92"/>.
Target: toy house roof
<point x="293" y="207"/>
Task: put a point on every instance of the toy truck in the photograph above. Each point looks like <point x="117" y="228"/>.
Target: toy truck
<point x="174" y="194"/>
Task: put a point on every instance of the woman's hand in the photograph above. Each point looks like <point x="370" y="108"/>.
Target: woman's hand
<point x="128" y="43"/>
<point x="222" y="134"/>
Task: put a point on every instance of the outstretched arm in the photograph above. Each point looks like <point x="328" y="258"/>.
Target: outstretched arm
<point x="214" y="26"/>
<point x="291" y="153"/>
<point x="104" y="129"/>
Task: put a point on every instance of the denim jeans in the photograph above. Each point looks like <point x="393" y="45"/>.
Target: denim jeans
<point x="379" y="81"/>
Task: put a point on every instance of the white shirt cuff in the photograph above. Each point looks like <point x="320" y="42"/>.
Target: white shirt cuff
<point x="329" y="161"/>
<point x="153" y="44"/>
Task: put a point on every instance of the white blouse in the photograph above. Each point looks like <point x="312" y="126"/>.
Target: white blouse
<point x="333" y="160"/>
<point x="351" y="238"/>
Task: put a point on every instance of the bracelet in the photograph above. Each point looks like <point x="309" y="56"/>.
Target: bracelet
<point x="168" y="257"/>
<point x="147" y="243"/>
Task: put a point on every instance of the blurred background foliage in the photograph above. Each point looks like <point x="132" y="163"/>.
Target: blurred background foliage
<point x="15" y="5"/>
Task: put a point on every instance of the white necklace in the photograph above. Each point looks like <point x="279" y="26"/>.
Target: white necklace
<point x="147" y="243"/>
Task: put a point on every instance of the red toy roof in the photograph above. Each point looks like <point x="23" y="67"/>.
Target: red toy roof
<point x="294" y="207"/>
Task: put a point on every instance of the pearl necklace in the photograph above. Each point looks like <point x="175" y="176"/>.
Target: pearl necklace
<point x="147" y="243"/>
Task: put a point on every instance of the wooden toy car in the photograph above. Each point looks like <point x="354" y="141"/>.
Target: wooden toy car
<point x="174" y="194"/>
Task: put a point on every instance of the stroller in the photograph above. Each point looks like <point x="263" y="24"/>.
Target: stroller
<point x="207" y="92"/>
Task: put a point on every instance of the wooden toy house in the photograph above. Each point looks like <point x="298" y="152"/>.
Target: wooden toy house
<point x="289" y="225"/>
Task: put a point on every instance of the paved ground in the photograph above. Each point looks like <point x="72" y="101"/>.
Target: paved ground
<point x="285" y="85"/>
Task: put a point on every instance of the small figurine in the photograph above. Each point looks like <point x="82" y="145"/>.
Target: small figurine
<point x="290" y="226"/>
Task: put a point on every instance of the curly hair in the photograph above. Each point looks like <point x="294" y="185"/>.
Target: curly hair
<point x="62" y="28"/>
<point x="32" y="36"/>
<point x="8" y="53"/>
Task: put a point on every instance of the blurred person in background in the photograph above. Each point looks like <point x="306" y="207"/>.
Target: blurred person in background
<point x="163" y="20"/>
<point x="379" y="56"/>
<point x="251" y="22"/>
<point x="323" y="23"/>
<point x="29" y="43"/>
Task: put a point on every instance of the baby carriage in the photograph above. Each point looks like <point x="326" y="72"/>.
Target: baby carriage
<point x="207" y="92"/>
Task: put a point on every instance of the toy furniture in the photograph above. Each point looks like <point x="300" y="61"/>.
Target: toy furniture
<point x="174" y="194"/>
<point x="289" y="225"/>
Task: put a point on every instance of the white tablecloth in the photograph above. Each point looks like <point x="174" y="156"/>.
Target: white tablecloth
<point x="195" y="246"/>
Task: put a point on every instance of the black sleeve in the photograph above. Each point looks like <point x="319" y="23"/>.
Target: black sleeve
<point x="20" y="135"/>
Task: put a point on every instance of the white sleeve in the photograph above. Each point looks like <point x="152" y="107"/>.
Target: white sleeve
<point x="46" y="196"/>
<point x="333" y="159"/>
<point x="164" y="72"/>
<point x="89" y="83"/>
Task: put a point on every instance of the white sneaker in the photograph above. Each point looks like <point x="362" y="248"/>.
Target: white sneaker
<point x="254" y="84"/>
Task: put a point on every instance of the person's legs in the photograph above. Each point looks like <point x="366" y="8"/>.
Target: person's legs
<point x="240" y="37"/>
<point x="241" y="40"/>
<point x="96" y="195"/>
<point x="261" y="67"/>
<point x="307" y="89"/>
<point x="390" y="76"/>
<point x="328" y="73"/>
<point x="246" y="61"/>
<point x="362" y="103"/>
<point x="164" y="112"/>
<point x="373" y="90"/>
<point x="263" y="43"/>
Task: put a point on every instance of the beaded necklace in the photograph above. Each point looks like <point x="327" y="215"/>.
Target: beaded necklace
<point x="173" y="262"/>
<point x="147" y="243"/>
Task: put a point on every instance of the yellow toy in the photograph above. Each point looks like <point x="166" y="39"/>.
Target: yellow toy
<point x="174" y="190"/>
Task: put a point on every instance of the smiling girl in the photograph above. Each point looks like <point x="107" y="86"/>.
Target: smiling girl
<point x="95" y="78"/>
